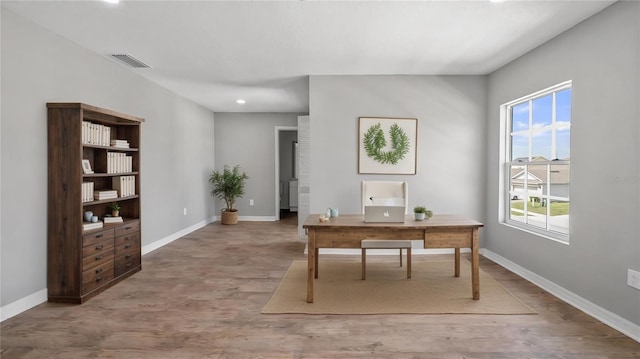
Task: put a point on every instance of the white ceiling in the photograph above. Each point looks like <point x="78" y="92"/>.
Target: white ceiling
<point x="214" y="52"/>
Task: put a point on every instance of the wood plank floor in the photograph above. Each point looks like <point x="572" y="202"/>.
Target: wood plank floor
<point x="201" y="297"/>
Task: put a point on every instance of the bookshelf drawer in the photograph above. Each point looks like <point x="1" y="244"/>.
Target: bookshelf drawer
<point x="97" y="276"/>
<point x="97" y="247"/>
<point x="96" y="237"/>
<point x="129" y="244"/>
<point x="126" y="263"/>
<point x="128" y="227"/>
<point x="97" y="259"/>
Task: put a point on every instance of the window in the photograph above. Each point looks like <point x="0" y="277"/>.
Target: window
<point x="537" y="162"/>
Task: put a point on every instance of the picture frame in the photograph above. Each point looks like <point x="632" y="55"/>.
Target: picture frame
<point x="387" y="145"/>
<point x="86" y="167"/>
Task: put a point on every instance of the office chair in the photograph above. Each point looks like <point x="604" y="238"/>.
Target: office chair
<point x="385" y="193"/>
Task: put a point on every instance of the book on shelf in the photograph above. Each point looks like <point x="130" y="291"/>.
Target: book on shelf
<point x="87" y="191"/>
<point x="125" y="185"/>
<point x="119" y="162"/>
<point x="120" y="143"/>
<point x="108" y="219"/>
<point x="91" y="225"/>
<point x="95" y="134"/>
<point x="105" y="194"/>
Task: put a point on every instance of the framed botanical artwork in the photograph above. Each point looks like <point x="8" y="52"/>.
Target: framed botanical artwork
<point x="86" y="167"/>
<point x="387" y="145"/>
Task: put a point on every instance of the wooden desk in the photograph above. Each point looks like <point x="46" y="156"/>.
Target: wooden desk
<point x="440" y="231"/>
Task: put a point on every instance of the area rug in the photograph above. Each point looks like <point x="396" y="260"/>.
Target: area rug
<point x="433" y="289"/>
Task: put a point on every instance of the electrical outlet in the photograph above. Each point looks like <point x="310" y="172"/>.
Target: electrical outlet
<point x="185" y="211"/>
<point x="633" y="279"/>
<point x="251" y="202"/>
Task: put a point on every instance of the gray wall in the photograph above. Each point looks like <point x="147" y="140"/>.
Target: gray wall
<point x="451" y="129"/>
<point x="176" y="155"/>
<point x="248" y="140"/>
<point x="601" y="56"/>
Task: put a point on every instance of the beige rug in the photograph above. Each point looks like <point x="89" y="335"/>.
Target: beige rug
<point x="432" y="290"/>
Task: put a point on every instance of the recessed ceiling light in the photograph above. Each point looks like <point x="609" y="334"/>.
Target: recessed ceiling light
<point x="112" y="1"/>
<point x="241" y="101"/>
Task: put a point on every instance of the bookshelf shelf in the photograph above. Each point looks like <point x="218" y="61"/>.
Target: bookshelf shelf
<point x="91" y="175"/>
<point x="110" y="148"/>
<point x="119" y="199"/>
<point x="83" y="263"/>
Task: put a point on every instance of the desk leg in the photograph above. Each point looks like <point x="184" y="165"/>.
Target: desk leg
<point x="457" y="269"/>
<point x="475" y="265"/>
<point x="311" y="263"/>
<point x="316" y="264"/>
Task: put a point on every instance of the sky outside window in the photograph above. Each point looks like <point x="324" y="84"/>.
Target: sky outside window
<point x="539" y="136"/>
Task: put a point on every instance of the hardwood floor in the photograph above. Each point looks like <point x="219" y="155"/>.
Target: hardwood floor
<point x="201" y="297"/>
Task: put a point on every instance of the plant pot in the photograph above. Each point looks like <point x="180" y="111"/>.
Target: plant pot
<point x="419" y="216"/>
<point x="115" y="213"/>
<point x="229" y="217"/>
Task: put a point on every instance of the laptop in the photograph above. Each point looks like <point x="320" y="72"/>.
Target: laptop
<point x="382" y="214"/>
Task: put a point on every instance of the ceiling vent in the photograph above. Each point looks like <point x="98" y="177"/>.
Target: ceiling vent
<point x="130" y="60"/>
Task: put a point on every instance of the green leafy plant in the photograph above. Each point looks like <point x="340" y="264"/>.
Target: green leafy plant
<point x="115" y="207"/>
<point x="422" y="209"/>
<point x="228" y="185"/>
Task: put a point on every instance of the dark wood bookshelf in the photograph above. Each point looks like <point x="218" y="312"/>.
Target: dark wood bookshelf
<point x="83" y="263"/>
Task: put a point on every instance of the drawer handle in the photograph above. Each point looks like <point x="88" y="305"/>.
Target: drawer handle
<point x="127" y="228"/>
<point x="127" y="256"/>
<point x="99" y="270"/>
<point x="98" y="257"/>
<point x="99" y="235"/>
<point x="128" y="245"/>
<point x="99" y="247"/>
<point x="98" y="279"/>
<point x="129" y="264"/>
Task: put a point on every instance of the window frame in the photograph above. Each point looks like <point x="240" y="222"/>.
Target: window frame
<point x="506" y="111"/>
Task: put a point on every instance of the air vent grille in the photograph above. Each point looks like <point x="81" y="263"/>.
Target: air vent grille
<point x="130" y="60"/>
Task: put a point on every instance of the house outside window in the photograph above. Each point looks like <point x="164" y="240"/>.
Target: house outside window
<point x="538" y="162"/>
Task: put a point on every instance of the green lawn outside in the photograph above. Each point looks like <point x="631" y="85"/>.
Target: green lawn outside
<point x="557" y="208"/>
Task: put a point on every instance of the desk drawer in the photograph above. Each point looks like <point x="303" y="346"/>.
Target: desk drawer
<point x="341" y="235"/>
<point x="448" y="238"/>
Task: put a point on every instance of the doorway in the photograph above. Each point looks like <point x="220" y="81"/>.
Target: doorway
<point x="286" y="152"/>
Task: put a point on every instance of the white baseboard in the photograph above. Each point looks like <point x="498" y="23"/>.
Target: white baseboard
<point x="14" y="308"/>
<point x="611" y="319"/>
<point x="166" y="240"/>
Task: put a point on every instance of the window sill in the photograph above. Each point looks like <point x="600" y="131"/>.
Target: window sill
<point x="562" y="239"/>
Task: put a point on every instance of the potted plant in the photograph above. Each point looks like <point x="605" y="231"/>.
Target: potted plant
<point x="421" y="213"/>
<point x="228" y="186"/>
<point x="115" y="209"/>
